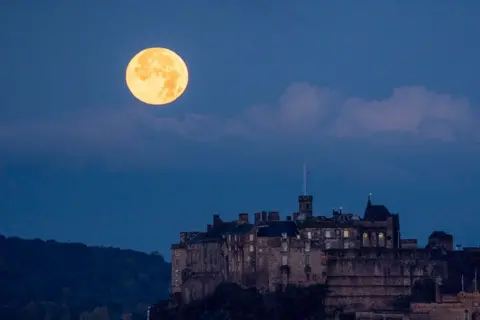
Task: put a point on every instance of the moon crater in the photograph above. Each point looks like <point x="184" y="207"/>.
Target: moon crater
<point x="157" y="76"/>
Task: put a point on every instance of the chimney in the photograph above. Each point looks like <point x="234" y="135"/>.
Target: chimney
<point x="183" y="237"/>
<point x="289" y="218"/>
<point x="209" y="227"/>
<point x="258" y="217"/>
<point x="273" y="216"/>
<point x="216" y="220"/>
<point x="264" y="216"/>
<point x="243" y="217"/>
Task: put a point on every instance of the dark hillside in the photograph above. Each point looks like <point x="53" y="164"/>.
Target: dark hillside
<point x="77" y="277"/>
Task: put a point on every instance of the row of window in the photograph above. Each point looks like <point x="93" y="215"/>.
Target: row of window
<point x="285" y="260"/>
<point x="329" y="233"/>
<point x="251" y="237"/>
<point x="346" y="234"/>
<point x="380" y="235"/>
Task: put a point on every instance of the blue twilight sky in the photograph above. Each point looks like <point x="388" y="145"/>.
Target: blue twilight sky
<point x="375" y="96"/>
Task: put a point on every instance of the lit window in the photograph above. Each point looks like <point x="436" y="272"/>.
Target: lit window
<point x="328" y="234"/>
<point x="284" y="246"/>
<point x="346" y="233"/>
<point x="309" y="235"/>
<point x="381" y="235"/>
<point x="251" y="237"/>
<point x="365" y="235"/>
<point x="307" y="246"/>
<point x="284" y="260"/>
<point x="251" y="248"/>
<point x="346" y="245"/>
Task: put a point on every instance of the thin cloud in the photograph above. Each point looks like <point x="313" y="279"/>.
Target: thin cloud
<point x="303" y="113"/>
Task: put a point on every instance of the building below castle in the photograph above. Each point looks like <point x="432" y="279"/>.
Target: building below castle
<point x="363" y="260"/>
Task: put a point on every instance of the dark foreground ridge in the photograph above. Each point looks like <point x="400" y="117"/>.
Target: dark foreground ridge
<point x="231" y="301"/>
<point x="56" y="281"/>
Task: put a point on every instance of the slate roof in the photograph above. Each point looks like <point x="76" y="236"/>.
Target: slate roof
<point x="223" y="229"/>
<point x="277" y="228"/>
<point x="376" y="213"/>
<point x="440" y="235"/>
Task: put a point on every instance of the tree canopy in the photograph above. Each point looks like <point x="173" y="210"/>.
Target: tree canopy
<point x="39" y="277"/>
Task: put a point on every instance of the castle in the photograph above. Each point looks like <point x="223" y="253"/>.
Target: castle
<point x="363" y="260"/>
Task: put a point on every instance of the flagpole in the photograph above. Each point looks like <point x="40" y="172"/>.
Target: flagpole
<point x="304" y="179"/>
<point x="475" y="279"/>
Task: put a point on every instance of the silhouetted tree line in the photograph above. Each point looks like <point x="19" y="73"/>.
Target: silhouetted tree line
<point x="230" y="301"/>
<point x="42" y="280"/>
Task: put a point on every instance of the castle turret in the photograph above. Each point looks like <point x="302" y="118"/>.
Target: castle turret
<point x="305" y="201"/>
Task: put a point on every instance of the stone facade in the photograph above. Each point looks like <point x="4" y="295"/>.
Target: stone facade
<point x="361" y="259"/>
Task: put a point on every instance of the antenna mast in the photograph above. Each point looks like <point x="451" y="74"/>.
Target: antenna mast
<point x="304" y="179"/>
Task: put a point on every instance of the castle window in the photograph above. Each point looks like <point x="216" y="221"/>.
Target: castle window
<point x="337" y="232"/>
<point x="251" y="248"/>
<point x="251" y="237"/>
<point x="284" y="260"/>
<point x="381" y="239"/>
<point x="328" y="234"/>
<point x="314" y="277"/>
<point x="328" y="245"/>
<point x="346" y="245"/>
<point x="309" y="235"/>
<point x="307" y="246"/>
<point x="307" y="260"/>
<point x="346" y="233"/>
<point x="284" y="246"/>
<point x="365" y="238"/>
<point x="260" y="261"/>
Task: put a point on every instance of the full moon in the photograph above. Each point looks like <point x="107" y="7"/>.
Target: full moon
<point x="157" y="76"/>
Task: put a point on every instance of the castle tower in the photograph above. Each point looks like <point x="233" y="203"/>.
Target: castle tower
<point x="305" y="201"/>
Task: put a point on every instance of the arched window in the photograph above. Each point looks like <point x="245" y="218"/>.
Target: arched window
<point x="381" y="239"/>
<point x="365" y="239"/>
